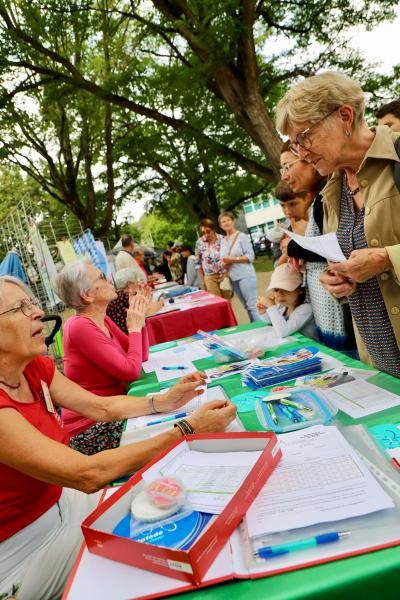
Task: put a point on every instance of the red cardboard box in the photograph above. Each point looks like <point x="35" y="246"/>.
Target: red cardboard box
<point x="190" y="565"/>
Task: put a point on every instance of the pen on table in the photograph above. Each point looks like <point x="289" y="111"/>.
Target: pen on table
<point x="284" y="410"/>
<point x="296" y="416"/>
<point x="294" y="404"/>
<point x="279" y="549"/>
<point x="171" y="418"/>
<point x="176" y="368"/>
<point x="272" y="412"/>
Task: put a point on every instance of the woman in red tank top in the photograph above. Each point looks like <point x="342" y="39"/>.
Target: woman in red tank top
<point x="39" y="515"/>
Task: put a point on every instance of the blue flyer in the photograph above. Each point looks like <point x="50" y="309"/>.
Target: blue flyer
<point x="179" y="532"/>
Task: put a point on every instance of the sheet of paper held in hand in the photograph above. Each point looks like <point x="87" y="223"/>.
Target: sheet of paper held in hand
<point x="214" y="393"/>
<point x="325" y="245"/>
<point x="319" y="479"/>
<point x="211" y="478"/>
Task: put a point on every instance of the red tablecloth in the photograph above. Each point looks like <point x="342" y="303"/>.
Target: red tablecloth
<point x="216" y="314"/>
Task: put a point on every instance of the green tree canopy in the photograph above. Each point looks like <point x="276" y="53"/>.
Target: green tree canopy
<point x="177" y="96"/>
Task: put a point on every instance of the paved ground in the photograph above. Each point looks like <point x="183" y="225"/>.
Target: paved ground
<point x="262" y="282"/>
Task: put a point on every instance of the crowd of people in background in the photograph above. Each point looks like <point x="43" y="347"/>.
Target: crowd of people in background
<point x="338" y="175"/>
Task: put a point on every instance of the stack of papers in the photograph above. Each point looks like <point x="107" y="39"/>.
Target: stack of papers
<point x="210" y="478"/>
<point x="287" y="366"/>
<point x="320" y="479"/>
<point x="349" y="390"/>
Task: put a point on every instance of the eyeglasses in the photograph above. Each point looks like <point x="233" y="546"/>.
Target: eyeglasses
<point x="101" y="277"/>
<point x="304" y="139"/>
<point x="286" y="168"/>
<point x="26" y="306"/>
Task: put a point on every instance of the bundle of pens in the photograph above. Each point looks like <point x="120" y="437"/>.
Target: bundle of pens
<point x="293" y="409"/>
<point x="284" y="367"/>
<point x="221" y="350"/>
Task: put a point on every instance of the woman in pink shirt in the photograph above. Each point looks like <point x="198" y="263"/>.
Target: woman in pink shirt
<point x="97" y="354"/>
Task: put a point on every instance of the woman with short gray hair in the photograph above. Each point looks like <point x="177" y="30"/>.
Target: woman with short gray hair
<point x="97" y="354"/>
<point x="126" y="282"/>
<point x="324" y="119"/>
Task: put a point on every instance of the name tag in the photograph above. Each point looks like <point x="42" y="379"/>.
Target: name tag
<point x="47" y="398"/>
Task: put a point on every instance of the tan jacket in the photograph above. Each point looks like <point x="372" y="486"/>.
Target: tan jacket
<point x="382" y="218"/>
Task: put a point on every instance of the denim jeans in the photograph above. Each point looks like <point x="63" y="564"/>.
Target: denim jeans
<point x="246" y="291"/>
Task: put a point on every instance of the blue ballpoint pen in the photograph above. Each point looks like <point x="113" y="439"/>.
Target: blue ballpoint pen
<point x="177" y="368"/>
<point x="171" y="418"/>
<point x="279" y="549"/>
<point x="297" y="416"/>
<point x="291" y="414"/>
<point x="284" y="410"/>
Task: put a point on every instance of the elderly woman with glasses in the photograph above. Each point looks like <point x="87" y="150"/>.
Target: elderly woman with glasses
<point x="97" y="354"/>
<point x="46" y="487"/>
<point x="333" y="320"/>
<point x="324" y="119"/>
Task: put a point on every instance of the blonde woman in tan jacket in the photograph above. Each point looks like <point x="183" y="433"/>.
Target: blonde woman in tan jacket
<point x="324" y="119"/>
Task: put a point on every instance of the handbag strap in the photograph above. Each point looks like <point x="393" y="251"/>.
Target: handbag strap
<point x="233" y="243"/>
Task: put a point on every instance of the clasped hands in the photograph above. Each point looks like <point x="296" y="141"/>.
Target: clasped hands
<point x="340" y="279"/>
<point x="140" y="296"/>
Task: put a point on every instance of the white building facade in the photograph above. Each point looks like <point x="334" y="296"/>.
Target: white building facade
<point x="261" y="215"/>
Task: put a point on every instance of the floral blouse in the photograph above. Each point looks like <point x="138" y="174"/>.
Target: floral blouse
<point x="208" y="256"/>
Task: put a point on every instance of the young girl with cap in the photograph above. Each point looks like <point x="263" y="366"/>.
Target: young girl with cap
<point x="285" y="309"/>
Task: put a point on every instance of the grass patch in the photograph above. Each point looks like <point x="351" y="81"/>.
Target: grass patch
<point x="263" y="264"/>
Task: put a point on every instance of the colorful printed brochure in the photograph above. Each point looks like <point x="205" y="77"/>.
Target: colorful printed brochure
<point x="289" y="365"/>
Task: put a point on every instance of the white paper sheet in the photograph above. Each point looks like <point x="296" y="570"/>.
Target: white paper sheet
<point x="360" y="398"/>
<point x="168" y="374"/>
<point x="189" y="407"/>
<point x="319" y="479"/>
<point x="326" y="245"/>
<point x="136" y="429"/>
<point x="175" y="356"/>
<point x="329" y="362"/>
<point x="211" y="478"/>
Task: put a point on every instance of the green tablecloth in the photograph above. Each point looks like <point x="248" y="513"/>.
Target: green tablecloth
<point x="369" y="576"/>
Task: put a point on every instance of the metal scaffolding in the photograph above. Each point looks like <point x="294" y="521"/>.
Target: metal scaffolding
<point x="31" y="236"/>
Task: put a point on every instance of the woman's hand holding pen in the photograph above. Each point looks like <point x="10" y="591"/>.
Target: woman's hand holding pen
<point x="183" y="391"/>
<point x="212" y="416"/>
